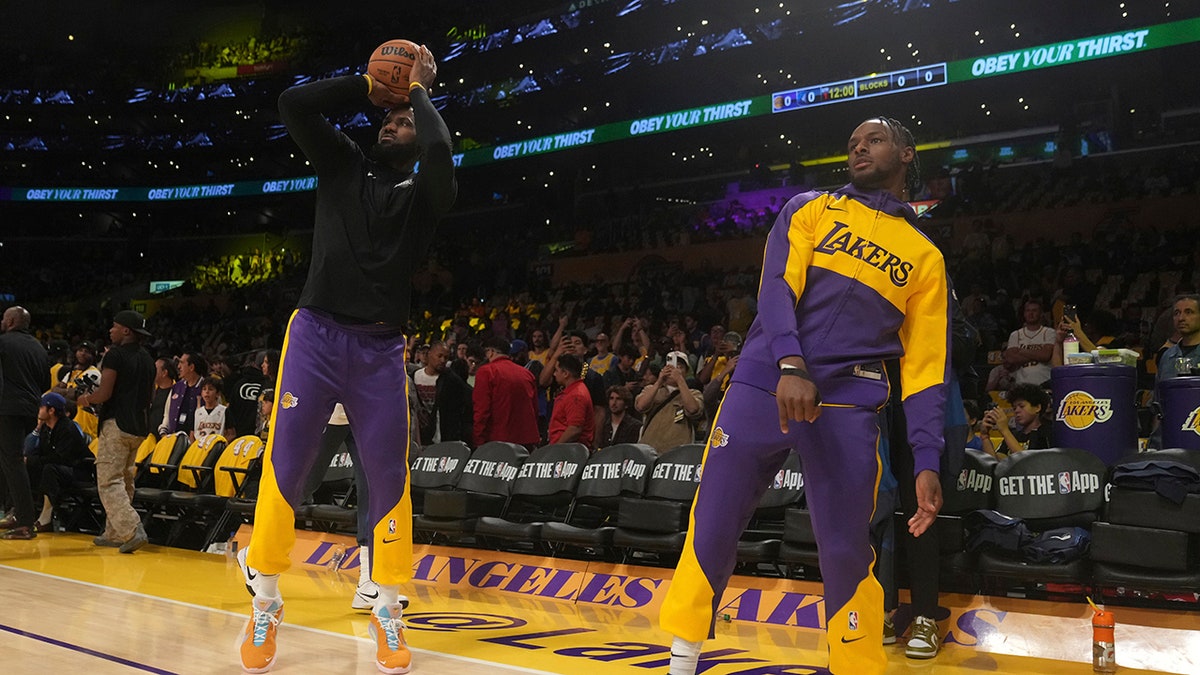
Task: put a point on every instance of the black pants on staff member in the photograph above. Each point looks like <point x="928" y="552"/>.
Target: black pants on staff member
<point x="13" y="430"/>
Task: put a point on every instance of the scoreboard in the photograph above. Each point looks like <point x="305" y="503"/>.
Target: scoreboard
<point x="864" y="87"/>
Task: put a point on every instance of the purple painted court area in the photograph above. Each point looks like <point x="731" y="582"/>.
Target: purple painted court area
<point x="85" y="650"/>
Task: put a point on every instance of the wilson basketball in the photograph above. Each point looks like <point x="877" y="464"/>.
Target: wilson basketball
<point x="391" y="63"/>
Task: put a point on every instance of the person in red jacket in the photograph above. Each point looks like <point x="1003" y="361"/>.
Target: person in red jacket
<point x="504" y="399"/>
<point x="572" y="420"/>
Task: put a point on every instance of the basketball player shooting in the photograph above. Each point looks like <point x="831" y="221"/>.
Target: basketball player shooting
<point x="848" y="282"/>
<point x="375" y="220"/>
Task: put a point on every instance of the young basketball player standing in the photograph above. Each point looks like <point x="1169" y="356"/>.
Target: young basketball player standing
<point x="375" y="220"/>
<point x="848" y="282"/>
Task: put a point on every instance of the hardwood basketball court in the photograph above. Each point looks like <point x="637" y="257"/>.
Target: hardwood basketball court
<point x="71" y="607"/>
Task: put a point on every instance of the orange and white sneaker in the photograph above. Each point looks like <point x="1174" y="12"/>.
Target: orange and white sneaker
<point x="258" y="638"/>
<point x="387" y="630"/>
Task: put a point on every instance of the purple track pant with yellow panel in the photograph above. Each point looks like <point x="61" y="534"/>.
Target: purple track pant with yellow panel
<point x="362" y="366"/>
<point x="841" y="477"/>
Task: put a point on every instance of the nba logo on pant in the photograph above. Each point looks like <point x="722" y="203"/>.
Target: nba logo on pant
<point x="1064" y="483"/>
<point x="853" y="621"/>
<point x="391" y="526"/>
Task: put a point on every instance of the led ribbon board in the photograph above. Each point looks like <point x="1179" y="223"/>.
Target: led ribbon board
<point x="876" y="84"/>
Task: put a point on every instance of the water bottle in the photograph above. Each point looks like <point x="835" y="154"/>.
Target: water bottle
<point x="1103" y="655"/>
<point x="336" y="555"/>
<point x="1070" y="344"/>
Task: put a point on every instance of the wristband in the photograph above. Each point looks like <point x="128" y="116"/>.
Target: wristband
<point x="795" y="371"/>
<point x="370" y="83"/>
<point x="416" y="84"/>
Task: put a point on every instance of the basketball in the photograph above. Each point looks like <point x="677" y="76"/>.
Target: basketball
<point x="391" y="63"/>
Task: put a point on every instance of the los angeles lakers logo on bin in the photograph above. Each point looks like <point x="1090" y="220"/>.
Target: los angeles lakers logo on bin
<point x="1080" y="410"/>
<point x="1192" y="423"/>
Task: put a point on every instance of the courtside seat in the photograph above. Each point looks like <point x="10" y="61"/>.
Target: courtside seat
<point x="235" y="480"/>
<point x="436" y="467"/>
<point x="610" y="474"/>
<point x="970" y="490"/>
<point x="799" y="547"/>
<point x="1058" y="487"/>
<point x="335" y="508"/>
<point x="483" y="489"/>
<point x="763" y="538"/>
<point x="544" y="491"/>
<point x="183" y="505"/>
<point x="1151" y="540"/>
<point x="158" y="473"/>
<point x="658" y="522"/>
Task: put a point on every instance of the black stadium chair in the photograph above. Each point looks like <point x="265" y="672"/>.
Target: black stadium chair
<point x="436" y="467"/>
<point x="1151" y="538"/>
<point x="1058" y="487"/>
<point x="544" y="491"/>
<point x="610" y="474"/>
<point x="970" y="490"/>
<point x="798" y="551"/>
<point x="656" y="525"/>
<point x="763" y="538"/>
<point x="483" y="489"/>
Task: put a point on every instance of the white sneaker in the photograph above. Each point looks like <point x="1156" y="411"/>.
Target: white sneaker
<point x="684" y="657"/>
<point x="365" y="596"/>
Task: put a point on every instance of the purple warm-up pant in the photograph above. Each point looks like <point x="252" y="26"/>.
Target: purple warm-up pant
<point x="361" y="366"/>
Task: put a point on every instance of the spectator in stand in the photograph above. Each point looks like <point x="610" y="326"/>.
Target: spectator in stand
<point x="518" y="351"/>
<point x="574" y="342"/>
<point x="84" y="376"/>
<point x="1100" y="323"/>
<point x="714" y="391"/>
<point x="1027" y="430"/>
<point x="604" y="359"/>
<point x="59" y="458"/>
<point x="185" y="396"/>
<point x="218" y="367"/>
<point x="671" y="411"/>
<point x="1030" y="347"/>
<point x="243" y="390"/>
<point x="266" y="406"/>
<point x="677" y="341"/>
<point x="729" y="344"/>
<point x="573" y="420"/>
<point x="1182" y="358"/>
<point x="504" y="399"/>
<point x="23" y="368"/>
<point x="210" y="412"/>
<point x="165" y="375"/>
<point x="620" y="425"/>
<point x="420" y="357"/>
<point x="624" y="375"/>
<point x="539" y="346"/>
<point x="974" y="425"/>
<point x="444" y="413"/>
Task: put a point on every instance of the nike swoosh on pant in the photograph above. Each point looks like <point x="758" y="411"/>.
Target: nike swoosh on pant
<point x="846" y="642"/>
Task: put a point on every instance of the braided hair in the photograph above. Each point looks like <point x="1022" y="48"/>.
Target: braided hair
<point x="904" y="138"/>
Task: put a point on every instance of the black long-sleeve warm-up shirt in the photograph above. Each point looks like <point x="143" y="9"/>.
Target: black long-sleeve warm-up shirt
<point x="374" y="224"/>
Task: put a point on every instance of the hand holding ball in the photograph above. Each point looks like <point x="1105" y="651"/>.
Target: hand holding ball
<point x="391" y="65"/>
